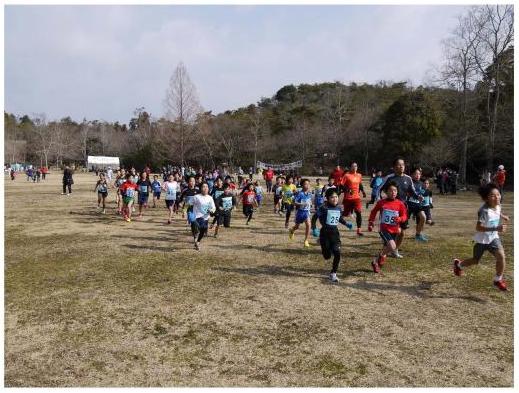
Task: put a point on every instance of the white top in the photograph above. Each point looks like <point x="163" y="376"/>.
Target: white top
<point x="202" y="205"/>
<point x="489" y="218"/>
<point x="171" y="188"/>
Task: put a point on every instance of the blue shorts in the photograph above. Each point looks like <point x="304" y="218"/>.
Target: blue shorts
<point x="201" y="223"/>
<point x="387" y="237"/>
<point x="143" y="199"/>
<point x="259" y="198"/>
<point x="156" y="194"/>
<point x="302" y="216"/>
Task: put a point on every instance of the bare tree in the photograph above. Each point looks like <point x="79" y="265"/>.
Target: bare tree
<point x="460" y="71"/>
<point x="496" y="35"/>
<point x="181" y="104"/>
<point x="44" y="138"/>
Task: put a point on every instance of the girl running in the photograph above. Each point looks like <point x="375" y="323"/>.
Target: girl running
<point x="330" y="215"/>
<point x="144" y="188"/>
<point x="392" y="213"/>
<point x="216" y="192"/>
<point x="203" y="205"/>
<point x="119" y="180"/>
<point x="276" y="189"/>
<point x="128" y="191"/>
<point x="259" y="192"/>
<point x="427" y="203"/>
<point x="102" y="191"/>
<point x="414" y="206"/>
<point x="288" y="191"/>
<point x="488" y="228"/>
<point x="224" y="205"/>
<point x="187" y="199"/>
<point x="248" y="199"/>
<point x="170" y="187"/>
<point x="156" y="188"/>
<point x="303" y="203"/>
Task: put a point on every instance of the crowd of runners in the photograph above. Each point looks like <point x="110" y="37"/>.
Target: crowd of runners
<point x="205" y="201"/>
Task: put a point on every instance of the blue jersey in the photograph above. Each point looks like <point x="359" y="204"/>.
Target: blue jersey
<point x="305" y="199"/>
<point x="155" y="186"/>
<point x="375" y="185"/>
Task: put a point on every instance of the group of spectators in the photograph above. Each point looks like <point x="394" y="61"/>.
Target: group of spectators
<point x="447" y="181"/>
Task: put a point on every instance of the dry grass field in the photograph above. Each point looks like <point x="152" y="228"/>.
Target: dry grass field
<point x="91" y="300"/>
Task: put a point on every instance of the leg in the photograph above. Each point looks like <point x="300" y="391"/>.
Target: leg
<point x="314" y="221"/>
<point x="420" y="217"/>
<point x="400" y="239"/>
<point x="307" y="229"/>
<point x="500" y="261"/>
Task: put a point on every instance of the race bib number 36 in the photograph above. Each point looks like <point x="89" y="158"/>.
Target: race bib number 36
<point x="389" y="217"/>
<point x="332" y="217"/>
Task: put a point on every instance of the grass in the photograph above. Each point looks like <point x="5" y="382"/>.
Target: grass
<point x="93" y="301"/>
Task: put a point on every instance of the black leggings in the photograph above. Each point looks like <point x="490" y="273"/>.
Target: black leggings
<point x="248" y="211"/>
<point x="289" y="208"/>
<point x="314" y="220"/>
<point x="65" y="185"/>
<point x="269" y="185"/>
<point x="358" y="216"/>
<point x="331" y="245"/>
<point x="199" y="229"/>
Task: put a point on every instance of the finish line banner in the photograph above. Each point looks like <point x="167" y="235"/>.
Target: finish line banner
<point x="280" y="167"/>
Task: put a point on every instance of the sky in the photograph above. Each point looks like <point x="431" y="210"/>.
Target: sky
<point x="103" y="62"/>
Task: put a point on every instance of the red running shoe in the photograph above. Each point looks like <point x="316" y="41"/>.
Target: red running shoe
<point x="456" y="267"/>
<point x="375" y="266"/>
<point x="501" y="285"/>
<point x="381" y="260"/>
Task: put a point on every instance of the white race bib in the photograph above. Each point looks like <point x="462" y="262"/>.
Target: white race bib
<point x="332" y="217"/>
<point x="389" y="216"/>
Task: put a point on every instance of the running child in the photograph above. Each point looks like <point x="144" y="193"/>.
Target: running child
<point x="427" y="203"/>
<point x="119" y="180"/>
<point x="488" y="228"/>
<point x="248" y="199"/>
<point x="414" y="205"/>
<point x="351" y="184"/>
<point x="288" y="191"/>
<point x="330" y="215"/>
<point x="128" y="191"/>
<point x="203" y="205"/>
<point x="216" y="192"/>
<point x="187" y="199"/>
<point x="259" y="192"/>
<point x="303" y="204"/>
<point x="144" y="188"/>
<point x="392" y="213"/>
<point x="156" y="188"/>
<point x="276" y="189"/>
<point x="102" y="191"/>
<point x="375" y="184"/>
<point x="224" y="205"/>
<point x="170" y="187"/>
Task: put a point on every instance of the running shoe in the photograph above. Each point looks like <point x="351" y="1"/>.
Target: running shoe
<point x="456" y="267"/>
<point x="291" y="234"/>
<point x="333" y="277"/>
<point x="359" y="233"/>
<point x="501" y="285"/>
<point x="381" y="260"/>
<point x="315" y="232"/>
<point x="420" y="238"/>
<point x="197" y="246"/>
<point x="128" y="219"/>
<point x="307" y="244"/>
<point x="396" y="254"/>
<point x="349" y="225"/>
<point x="375" y="266"/>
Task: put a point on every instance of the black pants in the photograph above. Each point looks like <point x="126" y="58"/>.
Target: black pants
<point x="248" y="211"/>
<point x="427" y="211"/>
<point x="224" y="218"/>
<point x="331" y="245"/>
<point x="199" y="228"/>
<point x="288" y="208"/>
<point x="65" y="185"/>
<point x="269" y="185"/>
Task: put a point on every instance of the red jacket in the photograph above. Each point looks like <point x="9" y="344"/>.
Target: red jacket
<point x="268" y="175"/>
<point x="337" y="176"/>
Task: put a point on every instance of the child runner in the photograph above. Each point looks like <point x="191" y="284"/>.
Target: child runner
<point x="187" y="199"/>
<point x="330" y="215"/>
<point x="215" y="194"/>
<point x="303" y="203"/>
<point x="119" y="180"/>
<point x="375" y="184"/>
<point x="156" y="187"/>
<point x="287" y="194"/>
<point x="427" y="203"/>
<point x="318" y="194"/>
<point x="326" y="187"/>
<point x="224" y="205"/>
<point x="170" y="187"/>
<point x="144" y="188"/>
<point x="128" y="192"/>
<point x="414" y="205"/>
<point x="203" y="205"/>
<point x="259" y="192"/>
<point x="487" y="238"/>
<point x="276" y="189"/>
<point x="102" y="191"/>
<point x="351" y="184"/>
<point x="249" y="201"/>
<point x="392" y="213"/>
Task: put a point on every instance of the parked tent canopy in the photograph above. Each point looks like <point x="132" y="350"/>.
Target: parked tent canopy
<point x="102" y="162"/>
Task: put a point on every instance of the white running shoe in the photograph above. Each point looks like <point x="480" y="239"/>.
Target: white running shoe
<point x="333" y="277"/>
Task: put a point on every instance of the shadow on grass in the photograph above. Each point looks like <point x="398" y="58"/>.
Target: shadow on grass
<point x="421" y="290"/>
<point x="270" y="248"/>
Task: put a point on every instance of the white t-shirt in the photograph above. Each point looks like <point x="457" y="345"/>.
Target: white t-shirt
<point x="171" y="189"/>
<point x="489" y="218"/>
<point x="202" y="205"/>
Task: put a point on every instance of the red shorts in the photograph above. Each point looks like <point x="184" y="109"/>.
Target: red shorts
<point x="351" y="205"/>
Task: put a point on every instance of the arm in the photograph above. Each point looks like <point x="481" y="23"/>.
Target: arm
<point x="97" y="185"/>
<point x="372" y="215"/>
<point x="361" y="189"/>
<point x="481" y="228"/>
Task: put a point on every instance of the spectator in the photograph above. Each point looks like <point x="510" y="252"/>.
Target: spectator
<point x="337" y="174"/>
<point x="499" y="179"/>
<point x="67" y="180"/>
<point x="268" y="175"/>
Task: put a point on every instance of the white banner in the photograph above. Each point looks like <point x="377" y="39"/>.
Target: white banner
<point x="280" y="167"/>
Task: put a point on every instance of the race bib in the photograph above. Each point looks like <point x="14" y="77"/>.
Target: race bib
<point x="389" y="217"/>
<point x="288" y="194"/>
<point x="426" y="201"/>
<point x="130" y="192"/>
<point x="332" y="217"/>
<point x="278" y="191"/>
<point x="217" y="194"/>
<point x="189" y="200"/>
<point x="205" y="209"/>
<point x="102" y="188"/>
<point x="250" y="198"/>
<point x="144" y="189"/>
<point x="307" y="205"/>
<point x="227" y="203"/>
<point x="170" y="191"/>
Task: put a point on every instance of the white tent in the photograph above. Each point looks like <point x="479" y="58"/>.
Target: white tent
<point x="102" y="162"/>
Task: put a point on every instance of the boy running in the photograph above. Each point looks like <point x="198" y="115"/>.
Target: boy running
<point x="102" y="191"/>
<point x="303" y="203"/>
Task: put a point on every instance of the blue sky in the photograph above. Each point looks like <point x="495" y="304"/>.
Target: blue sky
<point x="102" y="62"/>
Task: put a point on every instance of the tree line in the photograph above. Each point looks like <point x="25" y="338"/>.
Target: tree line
<point x="463" y="119"/>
